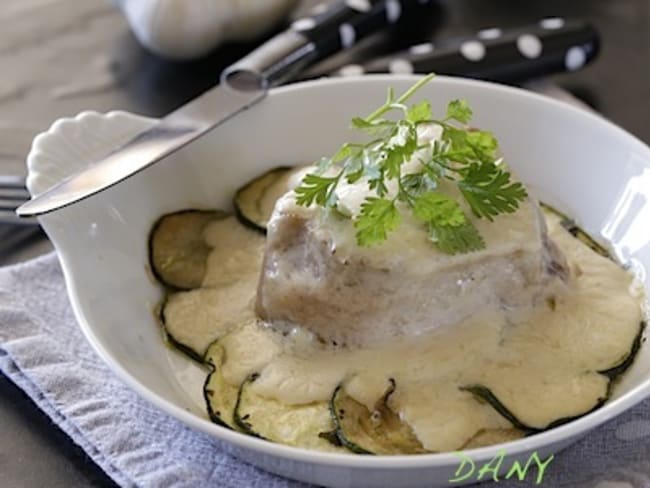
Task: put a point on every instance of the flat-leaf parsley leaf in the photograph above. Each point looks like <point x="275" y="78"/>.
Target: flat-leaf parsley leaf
<point x="378" y="217"/>
<point x="465" y="156"/>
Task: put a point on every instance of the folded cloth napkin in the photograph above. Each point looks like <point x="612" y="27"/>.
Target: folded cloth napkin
<point x="44" y="352"/>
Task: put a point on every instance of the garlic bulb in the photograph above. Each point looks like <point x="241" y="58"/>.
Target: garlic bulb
<point x="183" y="29"/>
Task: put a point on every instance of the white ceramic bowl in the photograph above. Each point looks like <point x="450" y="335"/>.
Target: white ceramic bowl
<point x="576" y="161"/>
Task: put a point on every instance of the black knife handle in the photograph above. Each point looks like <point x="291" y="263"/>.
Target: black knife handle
<point x="552" y="45"/>
<point x="312" y="38"/>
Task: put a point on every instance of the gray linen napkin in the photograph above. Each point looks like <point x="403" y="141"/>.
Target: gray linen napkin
<point x="44" y="352"/>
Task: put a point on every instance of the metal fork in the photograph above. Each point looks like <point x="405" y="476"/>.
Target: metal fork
<point x="13" y="193"/>
<point x="15" y="232"/>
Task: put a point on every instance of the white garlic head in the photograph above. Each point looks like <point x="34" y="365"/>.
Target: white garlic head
<point x="184" y="29"/>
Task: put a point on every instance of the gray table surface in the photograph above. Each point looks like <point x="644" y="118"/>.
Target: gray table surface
<point x="59" y="57"/>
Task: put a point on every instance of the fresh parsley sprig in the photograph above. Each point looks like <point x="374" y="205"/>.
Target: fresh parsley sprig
<point x="467" y="157"/>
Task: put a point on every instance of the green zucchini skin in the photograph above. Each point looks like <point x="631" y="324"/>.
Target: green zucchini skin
<point x="208" y="395"/>
<point x="484" y="393"/>
<point x="308" y="425"/>
<point x="337" y="417"/>
<point x="377" y="432"/>
<point x="171" y="340"/>
<point x="186" y="350"/>
<point x="241" y="420"/>
<point x="490" y="437"/>
<point x="248" y="200"/>
<point x="215" y="390"/>
<point x="168" y="337"/>
<point x="617" y="370"/>
<point x="574" y="229"/>
<point x="331" y="437"/>
<point x="177" y="253"/>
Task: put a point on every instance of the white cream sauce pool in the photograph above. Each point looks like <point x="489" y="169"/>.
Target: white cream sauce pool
<point x="542" y="363"/>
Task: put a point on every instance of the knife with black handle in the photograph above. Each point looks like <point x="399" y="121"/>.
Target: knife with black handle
<point x="324" y="32"/>
<point x="310" y="39"/>
<point x="550" y="46"/>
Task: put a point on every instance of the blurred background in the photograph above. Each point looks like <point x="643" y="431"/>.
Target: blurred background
<point x="59" y="57"/>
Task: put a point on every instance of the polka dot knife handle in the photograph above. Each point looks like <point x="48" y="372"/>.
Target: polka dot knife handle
<point x="552" y="45"/>
<point x="328" y="29"/>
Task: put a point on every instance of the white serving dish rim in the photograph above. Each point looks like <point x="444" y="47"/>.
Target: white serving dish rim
<point x="554" y="436"/>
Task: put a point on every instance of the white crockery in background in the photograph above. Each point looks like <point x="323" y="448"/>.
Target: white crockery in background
<point x="574" y="160"/>
<point x="185" y="29"/>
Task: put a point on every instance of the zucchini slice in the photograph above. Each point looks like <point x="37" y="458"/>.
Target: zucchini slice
<point x="572" y="228"/>
<point x="377" y="432"/>
<point x="295" y="425"/>
<point x="617" y="370"/>
<point x="220" y="397"/>
<point x="177" y="250"/>
<point x="192" y="320"/>
<point x="170" y="340"/>
<point x="236" y="254"/>
<point x="487" y="394"/>
<point x="254" y="201"/>
<point x="562" y="369"/>
<point x="490" y="437"/>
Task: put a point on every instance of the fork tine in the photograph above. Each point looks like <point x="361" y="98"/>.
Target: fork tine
<point x="11" y="198"/>
<point x="12" y="237"/>
<point x="14" y="192"/>
<point x="9" y="217"/>
<point x="12" y="181"/>
<point x="9" y="204"/>
<point x="14" y="195"/>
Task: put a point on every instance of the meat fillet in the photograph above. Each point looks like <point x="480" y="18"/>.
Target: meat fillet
<point x="315" y="276"/>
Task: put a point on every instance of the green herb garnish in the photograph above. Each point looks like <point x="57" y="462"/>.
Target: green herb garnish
<point x="464" y="156"/>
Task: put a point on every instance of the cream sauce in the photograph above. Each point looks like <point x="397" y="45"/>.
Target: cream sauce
<point x="542" y="363"/>
<point x="197" y="317"/>
<point x="409" y="247"/>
